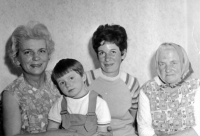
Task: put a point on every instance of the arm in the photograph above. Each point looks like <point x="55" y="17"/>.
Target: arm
<point x="54" y="117"/>
<point x="102" y="128"/>
<point x="144" y="116"/>
<point x="52" y="125"/>
<point x="135" y="95"/>
<point x="103" y="118"/>
<point x="134" y="104"/>
<point x="188" y="132"/>
<point x="104" y="131"/>
<point x="11" y="115"/>
<point x="12" y="119"/>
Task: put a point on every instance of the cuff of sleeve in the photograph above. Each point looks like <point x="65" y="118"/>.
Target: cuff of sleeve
<point x="54" y="119"/>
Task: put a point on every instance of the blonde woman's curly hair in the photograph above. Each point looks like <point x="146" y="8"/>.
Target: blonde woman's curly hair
<point x="33" y="30"/>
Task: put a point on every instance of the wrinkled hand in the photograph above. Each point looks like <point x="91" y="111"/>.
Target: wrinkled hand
<point x="161" y="133"/>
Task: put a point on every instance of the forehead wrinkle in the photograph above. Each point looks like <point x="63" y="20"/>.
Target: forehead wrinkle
<point x="165" y="48"/>
<point x="168" y="47"/>
<point x="108" y="46"/>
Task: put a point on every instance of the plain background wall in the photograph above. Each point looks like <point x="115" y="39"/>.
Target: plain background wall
<point x="72" y="22"/>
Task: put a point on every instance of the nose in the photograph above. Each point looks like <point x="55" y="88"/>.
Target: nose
<point x="36" y="56"/>
<point x="168" y="68"/>
<point x="107" y="57"/>
<point x="68" y="84"/>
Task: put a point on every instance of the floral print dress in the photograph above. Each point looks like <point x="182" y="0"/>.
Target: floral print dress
<point x="172" y="112"/>
<point x="34" y="103"/>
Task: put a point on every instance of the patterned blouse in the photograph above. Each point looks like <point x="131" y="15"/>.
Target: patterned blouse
<point x="34" y="103"/>
<point x="172" y="112"/>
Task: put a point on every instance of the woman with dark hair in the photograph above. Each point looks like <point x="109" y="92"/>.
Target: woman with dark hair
<point x="118" y="88"/>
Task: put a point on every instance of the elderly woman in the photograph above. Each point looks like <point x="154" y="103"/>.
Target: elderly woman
<point x="28" y="99"/>
<point x="168" y="104"/>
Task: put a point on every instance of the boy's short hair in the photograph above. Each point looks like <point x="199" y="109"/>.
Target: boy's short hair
<point x="64" y="66"/>
<point x="110" y="33"/>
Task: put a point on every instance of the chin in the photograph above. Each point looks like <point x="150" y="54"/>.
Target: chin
<point x="172" y="81"/>
<point x="110" y="70"/>
<point x="38" y="72"/>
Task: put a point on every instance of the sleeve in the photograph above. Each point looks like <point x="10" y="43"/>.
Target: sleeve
<point x="135" y="93"/>
<point x="197" y="111"/>
<point x="102" y="111"/>
<point x="144" y="116"/>
<point x="90" y="77"/>
<point x="134" y="86"/>
<point x="54" y="113"/>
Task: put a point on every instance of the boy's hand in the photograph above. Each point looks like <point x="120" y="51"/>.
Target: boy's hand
<point x="109" y="133"/>
<point x="109" y="128"/>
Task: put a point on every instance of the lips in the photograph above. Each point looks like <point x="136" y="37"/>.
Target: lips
<point x="36" y="65"/>
<point x="170" y="75"/>
<point x="108" y="65"/>
<point x="70" y="90"/>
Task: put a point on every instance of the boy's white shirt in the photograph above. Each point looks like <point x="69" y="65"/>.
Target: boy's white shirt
<point x="80" y="106"/>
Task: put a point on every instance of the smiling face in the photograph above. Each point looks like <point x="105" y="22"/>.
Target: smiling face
<point x="169" y="65"/>
<point x="110" y="58"/>
<point x="72" y="85"/>
<point x="33" y="57"/>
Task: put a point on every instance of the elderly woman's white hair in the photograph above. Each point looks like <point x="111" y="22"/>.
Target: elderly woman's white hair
<point x="33" y="30"/>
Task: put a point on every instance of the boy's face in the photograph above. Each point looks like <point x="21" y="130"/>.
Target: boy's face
<point x="72" y="85"/>
<point x="110" y="58"/>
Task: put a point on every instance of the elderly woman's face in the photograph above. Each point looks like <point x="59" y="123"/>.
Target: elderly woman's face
<point x="33" y="56"/>
<point x="169" y="65"/>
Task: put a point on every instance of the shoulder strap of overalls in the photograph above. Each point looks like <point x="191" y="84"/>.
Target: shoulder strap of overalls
<point x="64" y="106"/>
<point x="91" y="121"/>
<point x="92" y="103"/>
<point x="91" y="107"/>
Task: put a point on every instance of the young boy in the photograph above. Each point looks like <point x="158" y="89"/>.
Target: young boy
<point x="79" y="109"/>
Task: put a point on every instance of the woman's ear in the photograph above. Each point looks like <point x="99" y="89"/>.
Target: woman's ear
<point x="16" y="61"/>
<point x="84" y="77"/>
<point x="124" y="54"/>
